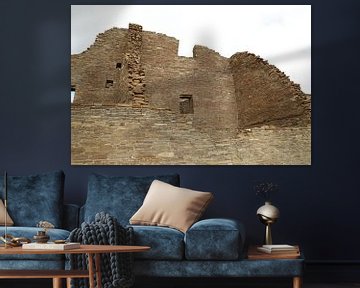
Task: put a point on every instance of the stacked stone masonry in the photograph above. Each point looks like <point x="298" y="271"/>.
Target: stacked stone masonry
<point x="138" y="102"/>
<point x="110" y="135"/>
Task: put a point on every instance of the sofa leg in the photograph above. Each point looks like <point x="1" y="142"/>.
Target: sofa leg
<point x="57" y="283"/>
<point x="297" y="282"/>
<point x="68" y="282"/>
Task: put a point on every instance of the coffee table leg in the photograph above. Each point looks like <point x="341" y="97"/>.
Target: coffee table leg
<point x="91" y="270"/>
<point x="57" y="283"/>
<point x="68" y="282"/>
<point x="297" y="282"/>
<point x="98" y="270"/>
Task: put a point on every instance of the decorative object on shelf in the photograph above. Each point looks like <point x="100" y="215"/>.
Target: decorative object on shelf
<point x="41" y="236"/>
<point x="60" y="241"/>
<point x="11" y="241"/>
<point x="268" y="213"/>
<point x="265" y="190"/>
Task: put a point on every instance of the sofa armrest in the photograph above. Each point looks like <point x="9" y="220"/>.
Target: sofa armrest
<point x="71" y="216"/>
<point x="215" y="239"/>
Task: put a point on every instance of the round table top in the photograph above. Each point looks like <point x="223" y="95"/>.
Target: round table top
<point x="91" y="249"/>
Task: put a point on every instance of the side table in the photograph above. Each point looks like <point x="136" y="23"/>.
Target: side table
<point x="255" y="255"/>
<point x="93" y="251"/>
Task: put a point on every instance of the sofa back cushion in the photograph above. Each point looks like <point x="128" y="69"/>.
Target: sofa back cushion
<point x="120" y="196"/>
<point x="35" y="198"/>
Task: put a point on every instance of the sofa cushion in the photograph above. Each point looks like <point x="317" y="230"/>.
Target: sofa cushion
<point x="165" y="243"/>
<point x="9" y="221"/>
<point x="119" y="196"/>
<point x="166" y="205"/>
<point x="35" y="198"/>
<point x="214" y="239"/>
<point x="39" y="264"/>
<point x="29" y="232"/>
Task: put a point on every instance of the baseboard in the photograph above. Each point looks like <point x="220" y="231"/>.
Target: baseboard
<point x="332" y="271"/>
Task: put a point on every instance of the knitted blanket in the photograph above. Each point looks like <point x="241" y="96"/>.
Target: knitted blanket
<point x="116" y="268"/>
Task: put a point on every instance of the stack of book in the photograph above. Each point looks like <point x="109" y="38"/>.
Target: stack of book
<point x="279" y="249"/>
<point x="51" y="246"/>
<point x="282" y="251"/>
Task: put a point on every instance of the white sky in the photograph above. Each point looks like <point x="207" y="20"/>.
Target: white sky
<point x="280" y="34"/>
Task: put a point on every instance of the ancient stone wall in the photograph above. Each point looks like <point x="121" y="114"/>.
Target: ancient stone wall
<point x="240" y="92"/>
<point x="136" y="73"/>
<point x="138" y="102"/>
<point x="143" y="68"/>
<point x="98" y="73"/>
<point x="265" y="94"/>
<point x="214" y="101"/>
<point x="159" y="55"/>
<point x="110" y="135"/>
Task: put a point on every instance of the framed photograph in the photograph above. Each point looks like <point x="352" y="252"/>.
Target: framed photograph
<point x="159" y="85"/>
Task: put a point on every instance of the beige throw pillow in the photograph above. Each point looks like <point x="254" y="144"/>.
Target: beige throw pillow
<point x="170" y="206"/>
<point x="9" y="221"/>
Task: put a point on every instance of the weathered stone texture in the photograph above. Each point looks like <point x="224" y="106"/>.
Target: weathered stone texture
<point x="265" y="94"/>
<point x="138" y="102"/>
<point x="214" y="91"/>
<point x="91" y="70"/>
<point x="136" y="74"/>
<point x="123" y="135"/>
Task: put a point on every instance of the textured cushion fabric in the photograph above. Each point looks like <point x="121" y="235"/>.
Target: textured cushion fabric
<point x="165" y="243"/>
<point x="41" y="264"/>
<point x="9" y="221"/>
<point x="35" y="198"/>
<point x="214" y="239"/>
<point x="167" y="205"/>
<point x="236" y="268"/>
<point x="29" y="232"/>
<point x="70" y="216"/>
<point x="119" y="196"/>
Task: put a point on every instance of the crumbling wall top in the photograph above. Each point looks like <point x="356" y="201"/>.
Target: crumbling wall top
<point x="250" y="60"/>
<point x="135" y="27"/>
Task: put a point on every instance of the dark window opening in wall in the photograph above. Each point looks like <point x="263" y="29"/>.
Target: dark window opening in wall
<point x="109" y="83"/>
<point x="118" y="65"/>
<point x="72" y="93"/>
<point x="186" y="104"/>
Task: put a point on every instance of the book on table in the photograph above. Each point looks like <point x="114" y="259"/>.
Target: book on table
<point x="51" y="246"/>
<point x="254" y="253"/>
<point x="278" y="249"/>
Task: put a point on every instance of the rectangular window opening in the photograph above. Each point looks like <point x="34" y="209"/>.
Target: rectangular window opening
<point x="109" y="83"/>
<point x="186" y="104"/>
<point x="72" y="93"/>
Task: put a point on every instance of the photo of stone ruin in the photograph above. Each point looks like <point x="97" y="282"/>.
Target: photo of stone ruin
<point x="138" y="103"/>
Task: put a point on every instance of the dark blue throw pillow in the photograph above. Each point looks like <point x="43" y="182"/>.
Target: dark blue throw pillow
<point x="35" y="198"/>
<point x="119" y="196"/>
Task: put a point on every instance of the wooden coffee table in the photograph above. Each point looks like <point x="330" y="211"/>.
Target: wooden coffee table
<point x="57" y="275"/>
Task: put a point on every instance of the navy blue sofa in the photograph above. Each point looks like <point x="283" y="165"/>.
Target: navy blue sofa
<point x="210" y="248"/>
